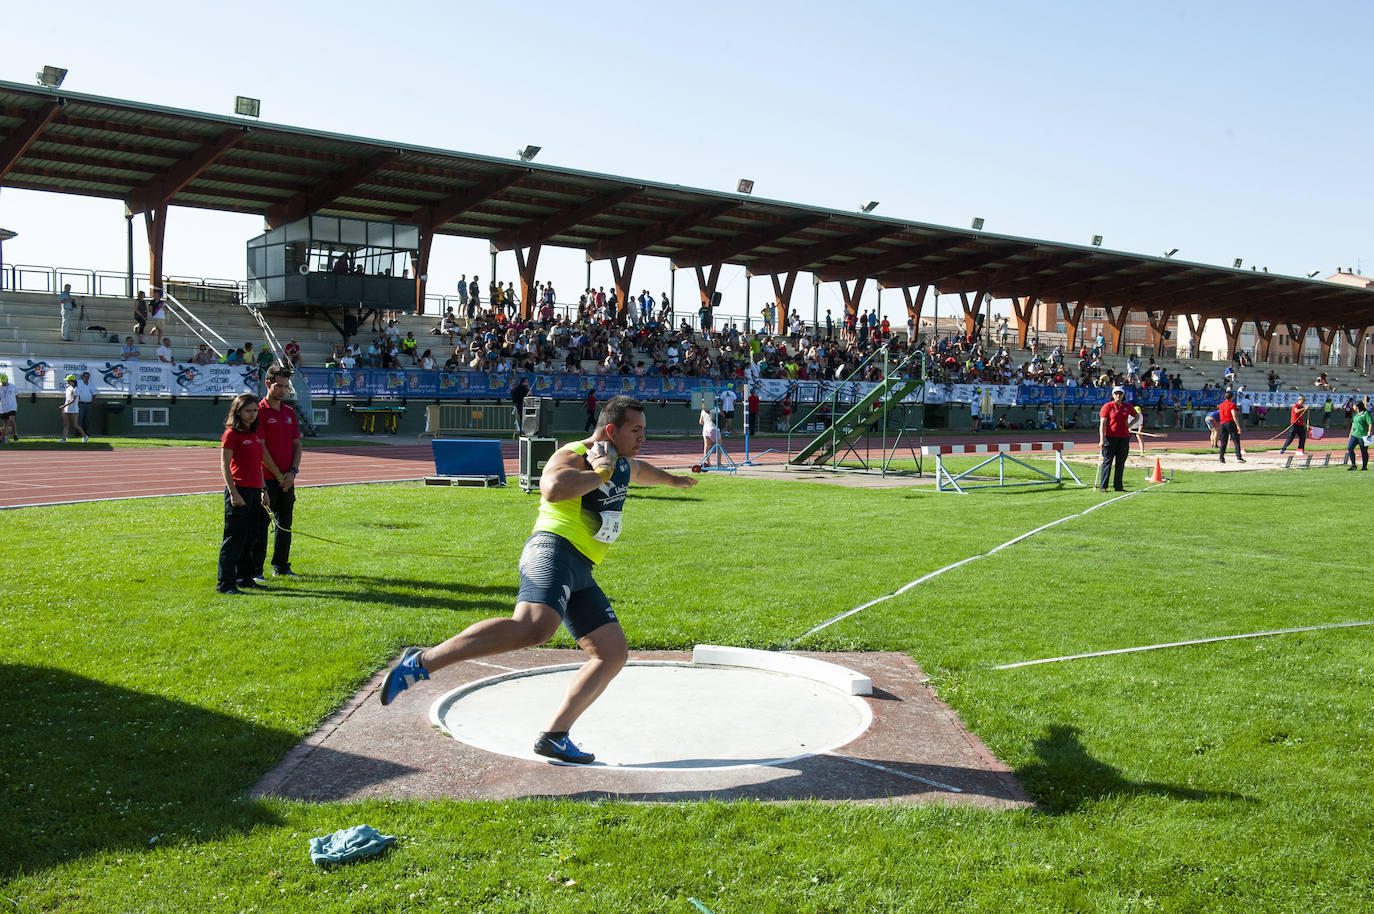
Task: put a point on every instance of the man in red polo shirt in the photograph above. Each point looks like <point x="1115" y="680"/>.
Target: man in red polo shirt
<point x="281" y="433"/>
<point x="1114" y="438"/>
<point x="1228" y="425"/>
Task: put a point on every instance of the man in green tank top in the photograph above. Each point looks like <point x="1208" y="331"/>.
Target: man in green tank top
<point x="582" y="494"/>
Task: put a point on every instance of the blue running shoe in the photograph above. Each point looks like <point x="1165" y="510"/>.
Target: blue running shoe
<point x="403" y="675"/>
<point x="561" y="749"/>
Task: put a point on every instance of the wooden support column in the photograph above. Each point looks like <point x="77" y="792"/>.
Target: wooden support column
<point x="706" y="283"/>
<point x="1023" y="308"/>
<point x="155" y="221"/>
<point x="419" y="268"/>
<point x="971" y="311"/>
<point x="914" y="304"/>
<point x="525" y="265"/>
<point x="1231" y="327"/>
<point x="782" y="294"/>
<point x="1327" y="336"/>
<point x="1196" y="324"/>
<point x="1297" y="335"/>
<point x="1117" y="322"/>
<point x="621" y="276"/>
<point x="851" y="299"/>
<point x="1355" y="337"/>
<point x="1160" y="326"/>
<point x="1072" y="320"/>
<point x="1265" y="336"/>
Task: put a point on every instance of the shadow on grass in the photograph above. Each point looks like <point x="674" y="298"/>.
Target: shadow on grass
<point x="1066" y="777"/>
<point x="94" y="767"/>
<point x="401" y="592"/>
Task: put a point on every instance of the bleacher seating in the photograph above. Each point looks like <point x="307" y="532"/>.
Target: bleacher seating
<point x="29" y="326"/>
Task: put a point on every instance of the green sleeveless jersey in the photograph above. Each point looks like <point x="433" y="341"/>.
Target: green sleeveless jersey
<point x="592" y="522"/>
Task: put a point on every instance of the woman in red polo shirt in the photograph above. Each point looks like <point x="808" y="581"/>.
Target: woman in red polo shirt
<point x="242" y="458"/>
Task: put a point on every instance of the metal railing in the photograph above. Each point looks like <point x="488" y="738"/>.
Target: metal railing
<point x="17" y="277"/>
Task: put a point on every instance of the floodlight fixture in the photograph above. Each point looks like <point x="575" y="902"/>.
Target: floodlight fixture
<point x="51" y="77"/>
<point x="1313" y="273"/>
<point x="1097" y="241"/>
<point x="1236" y="263"/>
<point x="868" y="207"/>
<point x="1171" y="252"/>
<point x="247" y="107"/>
<point x="528" y="153"/>
<point x="745" y="186"/>
<point x="7" y="234"/>
<point x="977" y="223"/>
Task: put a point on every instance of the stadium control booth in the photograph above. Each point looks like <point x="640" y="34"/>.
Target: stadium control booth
<point x="537" y="443"/>
<point x="327" y="262"/>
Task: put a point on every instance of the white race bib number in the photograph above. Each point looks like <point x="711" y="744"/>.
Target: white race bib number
<point x="610" y="527"/>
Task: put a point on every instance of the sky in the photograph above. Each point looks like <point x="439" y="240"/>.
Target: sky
<point x="1222" y="129"/>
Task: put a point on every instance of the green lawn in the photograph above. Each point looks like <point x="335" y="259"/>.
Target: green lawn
<point x="140" y="707"/>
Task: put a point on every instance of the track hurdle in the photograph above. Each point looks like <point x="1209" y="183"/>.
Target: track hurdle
<point x="999" y="454"/>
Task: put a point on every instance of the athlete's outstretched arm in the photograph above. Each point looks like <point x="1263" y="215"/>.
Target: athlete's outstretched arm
<point x="646" y="474"/>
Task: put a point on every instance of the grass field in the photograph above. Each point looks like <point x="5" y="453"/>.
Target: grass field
<point x="139" y="707"/>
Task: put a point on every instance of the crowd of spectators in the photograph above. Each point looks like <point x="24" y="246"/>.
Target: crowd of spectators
<point x="495" y="338"/>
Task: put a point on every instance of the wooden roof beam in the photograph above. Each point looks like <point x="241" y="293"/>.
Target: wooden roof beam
<point x="455" y="204"/>
<point x="167" y="185"/>
<point x="728" y="248"/>
<point x="1021" y="272"/>
<point x="558" y="222"/>
<point x="307" y="202"/>
<point x="636" y="240"/>
<point x="23" y="136"/>
<point x="951" y="268"/>
<point x="801" y="258"/>
<point x="862" y="267"/>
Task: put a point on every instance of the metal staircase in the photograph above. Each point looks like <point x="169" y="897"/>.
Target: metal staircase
<point x="861" y="419"/>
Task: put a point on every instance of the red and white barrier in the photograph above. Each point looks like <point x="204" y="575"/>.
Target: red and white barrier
<point x="1006" y="447"/>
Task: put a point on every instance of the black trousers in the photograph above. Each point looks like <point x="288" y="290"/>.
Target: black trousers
<point x="1228" y="430"/>
<point x="1295" y="431"/>
<point x="283" y="504"/>
<point x="240" y="538"/>
<point x="1114" y="453"/>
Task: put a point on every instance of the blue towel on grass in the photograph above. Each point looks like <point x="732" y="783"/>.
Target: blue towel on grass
<point x="348" y="844"/>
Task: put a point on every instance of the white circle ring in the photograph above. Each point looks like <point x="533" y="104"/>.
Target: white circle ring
<point x="660" y="715"/>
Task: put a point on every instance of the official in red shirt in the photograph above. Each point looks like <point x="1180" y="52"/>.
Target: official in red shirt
<point x="241" y="462"/>
<point x="1297" y="426"/>
<point x="1228" y="425"/>
<point x="1114" y="438"/>
<point x="281" y="433"/>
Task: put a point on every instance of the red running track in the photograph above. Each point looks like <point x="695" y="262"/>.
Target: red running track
<point x="87" y="473"/>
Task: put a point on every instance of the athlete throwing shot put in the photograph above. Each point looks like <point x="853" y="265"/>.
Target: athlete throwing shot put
<point x="582" y="494"/>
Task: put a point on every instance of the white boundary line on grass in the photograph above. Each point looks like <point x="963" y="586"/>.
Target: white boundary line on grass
<point x="939" y="571"/>
<point x="1155" y="647"/>
<point x="900" y="774"/>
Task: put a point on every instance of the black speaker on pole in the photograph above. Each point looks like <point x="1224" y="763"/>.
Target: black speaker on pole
<point x="715" y="299"/>
<point x="536" y="417"/>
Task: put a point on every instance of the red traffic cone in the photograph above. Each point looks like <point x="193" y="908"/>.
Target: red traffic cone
<point x="1158" y="474"/>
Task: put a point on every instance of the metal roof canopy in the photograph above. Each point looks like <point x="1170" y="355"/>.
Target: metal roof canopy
<point x="152" y="157"/>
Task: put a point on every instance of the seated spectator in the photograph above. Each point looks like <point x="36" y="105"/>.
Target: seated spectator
<point x="234" y="357"/>
<point x="164" y="350"/>
<point x="409" y="346"/>
<point x="293" y="354"/>
<point x="427" y="362"/>
<point x="202" y="356"/>
<point x="347" y="362"/>
<point x="130" y="351"/>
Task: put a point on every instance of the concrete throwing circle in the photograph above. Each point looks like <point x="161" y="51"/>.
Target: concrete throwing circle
<point x="662" y="715"/>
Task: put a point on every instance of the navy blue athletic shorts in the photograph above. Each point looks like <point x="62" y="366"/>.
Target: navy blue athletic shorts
<point x="554" y="573"/>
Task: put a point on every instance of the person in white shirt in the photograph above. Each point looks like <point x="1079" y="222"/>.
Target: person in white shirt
<point x="727" y="410"/>
<point x="9" y="409"/>
<point x="69" y="408"/>
<point x="85" y="400"/>
<point x="709" y="435"/>
<point x="164" y="350"/>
